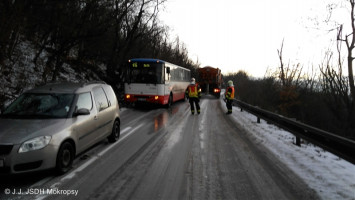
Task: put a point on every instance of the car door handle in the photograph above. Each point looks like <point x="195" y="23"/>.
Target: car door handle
<point x="96" y="118"/>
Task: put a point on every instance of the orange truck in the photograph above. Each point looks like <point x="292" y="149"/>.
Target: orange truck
<point x="210" y="80"/>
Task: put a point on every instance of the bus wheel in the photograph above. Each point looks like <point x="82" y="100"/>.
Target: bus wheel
<point x="170" y="102"/>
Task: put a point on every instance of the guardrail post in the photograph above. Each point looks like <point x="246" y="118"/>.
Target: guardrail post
<point x="298" y="141"/>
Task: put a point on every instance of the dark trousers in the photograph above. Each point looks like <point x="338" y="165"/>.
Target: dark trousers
<point x="229" y="104"/>
<point x="194" y="100"/>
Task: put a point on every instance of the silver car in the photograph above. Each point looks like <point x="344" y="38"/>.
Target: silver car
<point x="48" y="126"/>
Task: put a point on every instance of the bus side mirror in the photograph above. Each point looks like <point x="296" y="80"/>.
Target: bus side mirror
<point x="168" y="70"/>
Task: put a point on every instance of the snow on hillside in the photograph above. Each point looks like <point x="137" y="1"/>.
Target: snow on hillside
<point x="330" y="176"/>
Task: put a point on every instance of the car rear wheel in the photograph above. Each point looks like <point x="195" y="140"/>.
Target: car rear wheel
<point x="65" y="158"/>
<point x="115" y="134"/>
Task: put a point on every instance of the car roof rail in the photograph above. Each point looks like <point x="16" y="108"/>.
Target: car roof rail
<point x="80" y="84"/>
<point x="93" y="82"/>
<point x="55" y="83"/>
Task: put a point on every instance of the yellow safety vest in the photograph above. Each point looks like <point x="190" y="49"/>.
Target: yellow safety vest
<point x="193" y="91"/>
<point x="230" y="95"/>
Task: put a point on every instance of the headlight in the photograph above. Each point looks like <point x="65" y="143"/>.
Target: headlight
<point x="35" y="144"/>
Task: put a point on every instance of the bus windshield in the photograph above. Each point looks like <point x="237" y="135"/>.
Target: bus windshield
<point x="146" y="72"/>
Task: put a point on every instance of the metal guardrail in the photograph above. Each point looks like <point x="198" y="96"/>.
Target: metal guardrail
<point x="340" y="146"/>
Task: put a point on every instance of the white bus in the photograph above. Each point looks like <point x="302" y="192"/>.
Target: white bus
<point x="155" y="81"/>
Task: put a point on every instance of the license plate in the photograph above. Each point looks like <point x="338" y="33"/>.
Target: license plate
<point x="142" y="99"/>
<point x="1" y="163"/>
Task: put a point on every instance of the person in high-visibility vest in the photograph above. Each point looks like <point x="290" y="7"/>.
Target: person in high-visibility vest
<point x="229" y="97"/>
<point x="193" y="93"/>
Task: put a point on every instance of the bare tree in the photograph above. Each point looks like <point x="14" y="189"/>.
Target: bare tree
<point x="288" y="75"/>
<point x="349" y="40"/>
<point x="290" y="79"/>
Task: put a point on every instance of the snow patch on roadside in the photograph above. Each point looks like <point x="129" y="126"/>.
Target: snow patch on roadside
<point x="330" y="176"/>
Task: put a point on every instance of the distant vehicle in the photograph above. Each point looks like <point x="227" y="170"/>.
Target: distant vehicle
<point x="155" y="81"/>
<point x="48" y="126"/>
<point x="210" y="80"/>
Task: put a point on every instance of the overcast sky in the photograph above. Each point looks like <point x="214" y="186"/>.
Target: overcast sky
<point x="238" y="35"/>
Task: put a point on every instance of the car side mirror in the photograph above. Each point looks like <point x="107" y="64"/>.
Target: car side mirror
<point x="82" y="111"/>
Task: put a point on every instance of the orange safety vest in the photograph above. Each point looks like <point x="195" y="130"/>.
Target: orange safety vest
<point x="230" y="95"/>
<point x="193" y="91"/>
